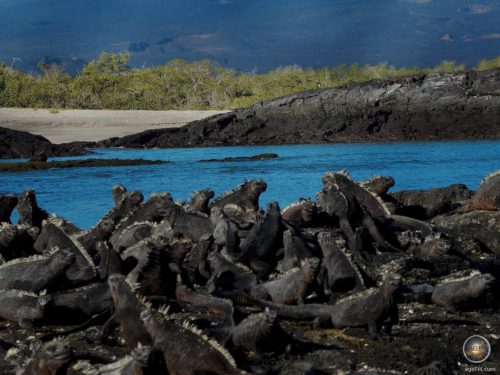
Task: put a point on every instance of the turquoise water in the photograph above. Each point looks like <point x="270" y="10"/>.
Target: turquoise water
<point x="83" y="195"/>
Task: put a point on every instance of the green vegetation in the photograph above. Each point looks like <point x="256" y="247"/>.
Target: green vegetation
<point x="109" y="83"/>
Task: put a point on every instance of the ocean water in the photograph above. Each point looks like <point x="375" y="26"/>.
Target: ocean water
<point x="83" y="195"/>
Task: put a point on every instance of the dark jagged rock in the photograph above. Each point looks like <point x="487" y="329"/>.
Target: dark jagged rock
<point x="181" y="342"/>
<point x="460" y="105"/>
<point x="462" y="293"/>
<point x="16" y="144"/>
<point x="35" y="165"/>
<point x="40" y="157"/>
<point x="242" y="158"/>
<point x="29" y="212"/>
<point x="425" y="204"/>
<point x="7" y="205"/>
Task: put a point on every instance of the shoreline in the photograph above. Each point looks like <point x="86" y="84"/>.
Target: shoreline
<point x="88" y="125"/>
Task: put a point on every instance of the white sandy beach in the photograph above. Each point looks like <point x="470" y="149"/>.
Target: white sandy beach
<point x="93" y="125"/>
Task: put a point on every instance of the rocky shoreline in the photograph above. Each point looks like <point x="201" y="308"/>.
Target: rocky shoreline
<point x="359" y="281"/>
<point x="438" y="106"/>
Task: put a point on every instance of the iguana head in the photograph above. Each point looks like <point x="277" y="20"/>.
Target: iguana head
<point x="257" y="187"/>
<point x="391" y="284"/>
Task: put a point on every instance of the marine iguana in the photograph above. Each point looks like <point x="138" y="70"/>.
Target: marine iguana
<point x="7" y="205"/>
<point x="258" y="333"/>
<point x="196" y="261"/>
<point x="128" y="203"/>
<point x="226" y="233"/>
<point x="379" y="185"/>
<point x="187" y="351"/>
<point x="487" y="196"/>
<point x="50" y="358"/>
<point x="16" y="241"/>
<point x="245" y="196"/>
<point x="109" y="261"/>
<point x="152" y="210"/>
<point x="291" y="287"/>
<point x="300" y="213"/>
<point x="25" y="308"/>
<point x="338" y="272"/>
<point x="220" y="307"/>
<point x="127" y="311"/>
<point x="78" y="304"/>
<point x="432" y="247"/>
<point x="151" y="275"/>
<point x="354" y="206"/>
<point x="460" y="293"/>
<point x="29" y="212"/>
<point x="199" y="201"/>
<point x="187" y="225"/>
<point x="138" y="362"/>
<point x="36" y="272"/>
<point x="264" y="237"/>
<point x="131" y="235"/>
<point x="369" y="308"/>
<point x="296" y="249"/>
<point x="54" y="235"/>
<point x="228" y="274"/>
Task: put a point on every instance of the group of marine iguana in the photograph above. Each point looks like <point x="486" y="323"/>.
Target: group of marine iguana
<point x="218" y="287"/>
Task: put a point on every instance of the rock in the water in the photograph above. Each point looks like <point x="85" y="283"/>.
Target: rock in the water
<point x="16" y="144"/>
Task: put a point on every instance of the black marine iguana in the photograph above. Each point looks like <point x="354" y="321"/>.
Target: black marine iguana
<point x="29" y="212"/>
<point x="339" y="273"/>
<point x="291" y="287"/>
<point x="459" y="293"/>
<point x="127" y="311"/>
<point x="7" y="205"/>
<point x="246" y="196"/>
<point x="36" y="272"/>
<point x="187" y="351"/>
<point x="369" y="308"/>
<point x="50" y="358"/>
<point x="199" y="201"/>
<point x="25" y="308"/>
